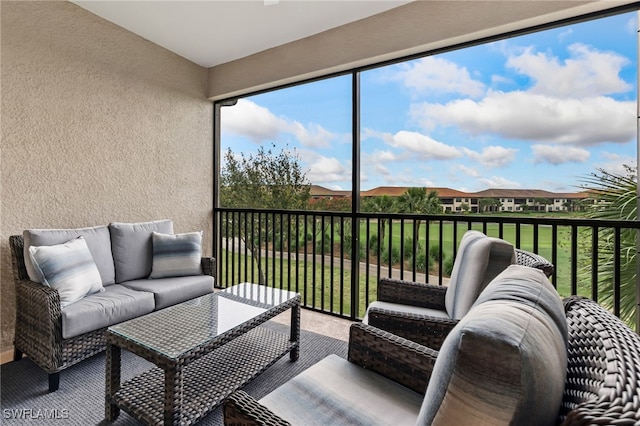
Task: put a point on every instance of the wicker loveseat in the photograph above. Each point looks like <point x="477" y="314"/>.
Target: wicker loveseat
<point x="56" y="335"/>
<point x="599" y="385"/>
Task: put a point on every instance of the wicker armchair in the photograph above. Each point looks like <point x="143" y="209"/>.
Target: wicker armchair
<point x="602" y="382"/>
<point x="603" y="372"/>
<point x="383" y="353"/>
<point x="427" y="328"/>
<point x="38" y="329"/>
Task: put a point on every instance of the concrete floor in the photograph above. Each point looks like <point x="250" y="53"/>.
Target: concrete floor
<point x="316" y="322"/>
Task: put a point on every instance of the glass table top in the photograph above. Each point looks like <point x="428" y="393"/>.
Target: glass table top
<point x="180" y="328"/>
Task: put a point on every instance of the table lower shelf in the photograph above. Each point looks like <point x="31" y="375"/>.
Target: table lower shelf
<point x="208" y="380"/>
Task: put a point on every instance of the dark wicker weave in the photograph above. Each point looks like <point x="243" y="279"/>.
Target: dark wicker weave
<point x="394" y="357"/>
<point x="603" y="372"/>
<point x="197" y="368"/>
<point x="427" y="330"/>
<point x="38" y="329"/>
<point x="534" y="260"/>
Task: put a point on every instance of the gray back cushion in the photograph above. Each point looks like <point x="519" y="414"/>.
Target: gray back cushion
<point x="97" y="239"/>
<point x="132" y="248"/>
<point x="505" y="362"/>
<point x="478" y="261"/>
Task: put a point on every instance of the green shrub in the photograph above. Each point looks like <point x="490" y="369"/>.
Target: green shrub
<point x="447" y="266"/>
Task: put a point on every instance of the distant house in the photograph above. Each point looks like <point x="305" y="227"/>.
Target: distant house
<point x="504" y="200"/>
<point x="320" y="192"/>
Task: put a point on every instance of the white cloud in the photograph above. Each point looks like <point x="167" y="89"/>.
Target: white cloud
<point x="632" y="24"/>
<point x="492" y="156"/>
<point x="380" y="169"/>
<point x="615" y="163"/>
<point x="423" y="146"/>
<point x="467" y="171"/>
<point x="555" y="154"/>
<point x="251" y="120"/>
<point x="565" y="34"/>
<point x="257" y="123"/>
<point x="326" y="169"/>
<point x="587" y="73"/>
<point x="497" y="182"/>
<point x="535" y="117"/>
<point x="381" y="157"/>
<point x="437" y="75"/>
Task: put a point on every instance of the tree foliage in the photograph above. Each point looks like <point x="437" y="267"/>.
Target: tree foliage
<point x="264" y="180"/>
<point x="614" y="197"/>
<point x="417" y="201"/>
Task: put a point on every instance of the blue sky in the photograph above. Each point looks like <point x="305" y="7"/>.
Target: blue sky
<point x="539" y="111"/>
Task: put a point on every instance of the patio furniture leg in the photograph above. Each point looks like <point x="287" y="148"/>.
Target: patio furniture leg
<point x="111" y="411"/>
<point x="173" y="395"/>
<point x="295" y="332"/>
<point x="54" y="381"/>
<point x="17" y="354"/>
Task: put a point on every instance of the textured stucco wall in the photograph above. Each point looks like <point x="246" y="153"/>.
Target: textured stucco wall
<point x="98" y="125"/>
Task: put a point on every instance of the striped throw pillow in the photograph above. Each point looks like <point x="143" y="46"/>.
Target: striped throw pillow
<point x="176" y="255"/>
<point x="68" y="268"/>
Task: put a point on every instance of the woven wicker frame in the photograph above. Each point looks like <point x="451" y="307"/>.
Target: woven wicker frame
<point x="38" y="329"/>
<point x="185" y="388"/>
<point x="603" y="373"/>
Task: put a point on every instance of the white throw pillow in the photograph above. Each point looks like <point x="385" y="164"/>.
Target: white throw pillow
<point x="68" y="268"/>
<point x="176" y="255"/>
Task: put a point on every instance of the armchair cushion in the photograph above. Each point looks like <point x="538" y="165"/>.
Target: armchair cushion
<point x="97" y="239"/>
<point x="132" y="249"/>
<point x="348" y="395"/>
<point x="478" y="261"/>
<point x="403" y="309"/>
<point x="68" y="268"/>
<point x="176" y="255"/>
<point x="505" y="362"/>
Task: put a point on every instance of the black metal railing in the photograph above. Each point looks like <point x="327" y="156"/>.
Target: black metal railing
<point x="314" y="253"/>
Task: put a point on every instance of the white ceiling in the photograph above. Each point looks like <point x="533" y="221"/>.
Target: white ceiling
<point x="218" y="31"/>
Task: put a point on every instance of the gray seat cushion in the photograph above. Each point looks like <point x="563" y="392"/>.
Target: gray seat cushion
<point x="397" y="307"/>
<point x="115" y="304"/>
<point x="478" y="260"/>
<point x="505" y="362"/>
<point x="337" y="392"/>
<point x="132" y="248"/>
<point x="169" y="291"/>
<point x="97" y="238"/>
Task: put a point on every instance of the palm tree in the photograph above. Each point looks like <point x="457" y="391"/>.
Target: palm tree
<point x="382" y="204"/>
<point x="615" y="197"/>
<point x="417" y="200"/>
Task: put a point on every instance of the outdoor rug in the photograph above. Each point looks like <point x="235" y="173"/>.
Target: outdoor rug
<point x="80" y="400"/>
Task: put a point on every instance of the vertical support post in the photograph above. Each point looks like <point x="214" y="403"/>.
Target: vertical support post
<point x="637" y="316"/>
<point x="355" y="195"/>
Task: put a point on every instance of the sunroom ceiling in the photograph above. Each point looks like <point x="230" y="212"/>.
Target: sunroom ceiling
<point x="210" y="33"/>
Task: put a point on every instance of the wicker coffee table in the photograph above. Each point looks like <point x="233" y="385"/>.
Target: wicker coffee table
<point x="204" y="349"/>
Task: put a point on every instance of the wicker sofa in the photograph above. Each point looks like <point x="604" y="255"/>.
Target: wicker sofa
<point x="56" y="335"/>
<point x="599" y="384"/>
